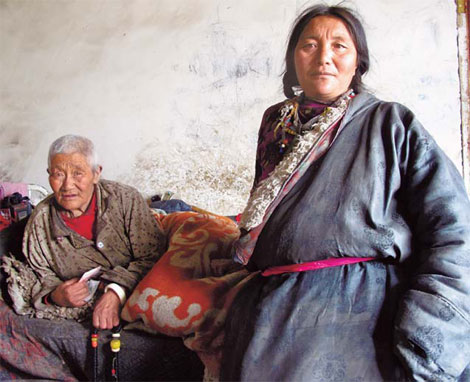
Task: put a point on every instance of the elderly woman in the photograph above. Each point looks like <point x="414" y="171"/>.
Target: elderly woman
<point x="359" y="225"/>
<point x="88" y="223"/>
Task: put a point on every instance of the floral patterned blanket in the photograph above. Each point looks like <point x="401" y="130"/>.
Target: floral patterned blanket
<point x="32" y="348"/>
<point x="186" y="294"/>
<point x="189" y="290"/>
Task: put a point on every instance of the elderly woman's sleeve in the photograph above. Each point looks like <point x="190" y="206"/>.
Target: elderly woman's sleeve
<point x="35" y="245"/>
<point x="146" y="239"/>
<point x="432" y="327"/>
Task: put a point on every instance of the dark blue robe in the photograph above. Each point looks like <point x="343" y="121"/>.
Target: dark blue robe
<point x="386" y="190"/>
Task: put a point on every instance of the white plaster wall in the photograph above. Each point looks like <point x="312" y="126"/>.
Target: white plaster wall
<point x="172" y="91"/>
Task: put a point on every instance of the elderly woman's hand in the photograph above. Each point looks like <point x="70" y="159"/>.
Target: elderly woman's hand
<point x="71" y="293"/>
<point x="106" y="312"/>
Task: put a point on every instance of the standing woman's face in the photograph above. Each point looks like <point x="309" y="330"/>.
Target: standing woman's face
<point x="325" y="59"/>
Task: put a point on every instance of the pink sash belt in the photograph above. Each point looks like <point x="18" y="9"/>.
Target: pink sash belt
<point x="310" y="266"/>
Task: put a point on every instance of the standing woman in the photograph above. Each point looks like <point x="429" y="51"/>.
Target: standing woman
<point x="360" y="226"/>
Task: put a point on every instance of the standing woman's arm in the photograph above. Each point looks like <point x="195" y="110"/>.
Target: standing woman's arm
<point x="432" y="327"/>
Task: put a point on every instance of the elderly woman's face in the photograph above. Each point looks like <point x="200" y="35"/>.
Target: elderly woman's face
<point x="325" y="59"/>
<point x="72" y="180"/>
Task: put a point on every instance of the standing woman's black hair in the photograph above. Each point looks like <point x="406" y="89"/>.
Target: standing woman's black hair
<point x="356" y="30"/>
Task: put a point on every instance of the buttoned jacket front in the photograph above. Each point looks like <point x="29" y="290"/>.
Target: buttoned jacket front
<point x="128" y="241"/>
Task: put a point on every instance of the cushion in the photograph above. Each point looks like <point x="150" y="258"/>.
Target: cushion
<point x="189" y="290"/>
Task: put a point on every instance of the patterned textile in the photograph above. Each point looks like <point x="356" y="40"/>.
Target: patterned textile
<point x="21" y="353"/>
<point x="384" y="189"/>
<point x="268" y="154"/>
<point x="21" y="281"/>
<point x="32" y="348"/>
<point x="45" y="349"/>
<point x="269" y="192"/>
<point x="188" y="291"/>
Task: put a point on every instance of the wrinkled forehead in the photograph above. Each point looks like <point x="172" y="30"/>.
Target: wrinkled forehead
<point x="70" y="161"/>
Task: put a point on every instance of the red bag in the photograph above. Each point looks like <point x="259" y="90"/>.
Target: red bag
<point x="14" y="207"/>
<point x="5" y="218"/>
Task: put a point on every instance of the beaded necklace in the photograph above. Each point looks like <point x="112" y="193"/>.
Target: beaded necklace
<point x="306" y="136"/>
<point x="290" y="121"/>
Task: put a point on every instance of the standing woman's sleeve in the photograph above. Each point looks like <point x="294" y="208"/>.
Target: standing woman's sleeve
<point x="432" y="327"/>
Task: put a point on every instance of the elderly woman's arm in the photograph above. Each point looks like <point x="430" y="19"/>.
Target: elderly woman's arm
<point x="145" y="239"/>
<point x="432" y="329"/>
<point x="36" y="233"/>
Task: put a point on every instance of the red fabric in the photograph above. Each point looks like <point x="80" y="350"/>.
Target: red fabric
<point x="312" y="265"/>
<point x="5" y="218"/>
<point x="83" y="224"/>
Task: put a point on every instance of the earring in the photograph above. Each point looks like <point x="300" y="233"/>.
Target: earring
<point x="297" y="89"/>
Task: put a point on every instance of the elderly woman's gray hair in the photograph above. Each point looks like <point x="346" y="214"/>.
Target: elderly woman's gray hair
<point x="69" y="144"/>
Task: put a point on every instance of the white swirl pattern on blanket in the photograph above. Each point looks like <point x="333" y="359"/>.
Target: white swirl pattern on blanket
<point x="163" y="308"/>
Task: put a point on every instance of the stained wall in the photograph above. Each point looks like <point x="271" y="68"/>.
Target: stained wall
<point x="172" y="91"/>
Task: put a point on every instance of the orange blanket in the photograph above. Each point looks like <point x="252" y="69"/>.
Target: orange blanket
<point x="189" y="290"/>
